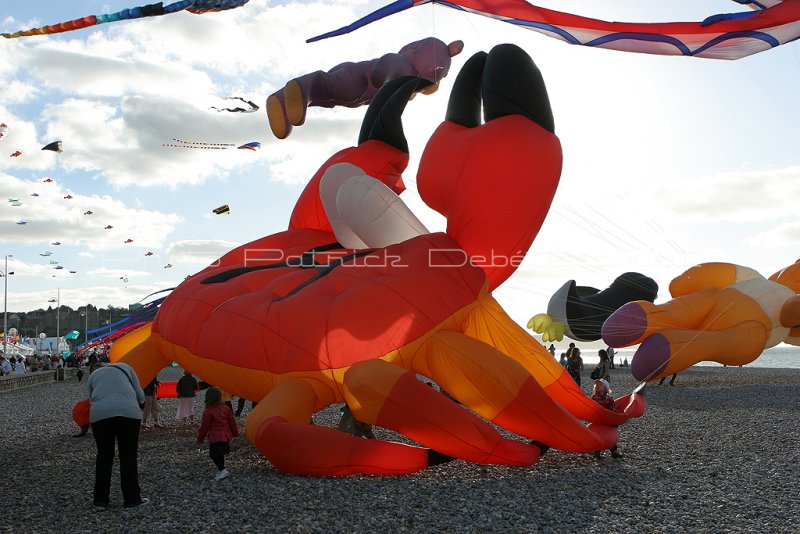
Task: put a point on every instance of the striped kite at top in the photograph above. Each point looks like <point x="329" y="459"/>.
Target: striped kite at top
<point x="152" y="10"/>
<point x="721" y="36"/>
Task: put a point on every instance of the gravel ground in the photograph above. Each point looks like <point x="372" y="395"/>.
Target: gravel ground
<point x="717" y="452"/>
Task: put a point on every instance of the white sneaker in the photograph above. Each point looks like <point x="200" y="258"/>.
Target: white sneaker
<point x="223" y="475"/>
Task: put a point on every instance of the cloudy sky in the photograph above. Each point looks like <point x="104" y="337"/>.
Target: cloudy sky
<point x="668" y="161"/>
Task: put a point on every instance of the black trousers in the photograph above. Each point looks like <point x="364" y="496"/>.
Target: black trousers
<point x="217" y="450"/>
<point x="108" y="433"/>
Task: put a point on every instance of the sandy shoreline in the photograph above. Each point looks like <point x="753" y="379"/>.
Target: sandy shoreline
<point x="717" y="452"/>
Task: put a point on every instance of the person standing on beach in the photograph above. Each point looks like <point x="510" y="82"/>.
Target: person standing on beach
<point x="115" y="397"/>
<point x="186" y="390"/>
<point x="575" y="364"/>
<point x="220" y="428"/>
<point x="552" y="350"/>
<point x="151" y="409"/>
<point x="604" y="366"/>
<point x="611" y="353"/>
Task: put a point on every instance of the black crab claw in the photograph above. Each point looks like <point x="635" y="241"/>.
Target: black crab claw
<point x="382" y="121"/>
<point x="507" y="81"/>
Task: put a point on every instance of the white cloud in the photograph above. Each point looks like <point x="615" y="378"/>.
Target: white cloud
<point x="51" y="217"/>
<point x="199" y="251"/>
<point x="755" y="195"/>
<point x="783" y="236"/>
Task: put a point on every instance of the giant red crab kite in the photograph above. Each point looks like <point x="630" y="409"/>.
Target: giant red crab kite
<point x="356" y="298"/>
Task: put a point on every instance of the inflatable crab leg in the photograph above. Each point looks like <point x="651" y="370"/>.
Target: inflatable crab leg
<point x="634" y="321"/>
<point x="502" y="391"/>
<point x="279" y="427"/>
<point x="391" y="397"/>
<point x="490" y="324"/>
<point x="138" y="350"/>
<point x="672" y="351"/>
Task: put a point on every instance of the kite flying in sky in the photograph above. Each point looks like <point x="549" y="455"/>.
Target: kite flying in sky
<point x="55" y="146"/>
<point x="153" y="10"/>
<point x="252" y="106"/>
<point x="223" y="210"/>
<point x="202" y="145"/>
<point x="16" y="154"/>
<point x="3" y="130"/>
<point x="721" y="36"/>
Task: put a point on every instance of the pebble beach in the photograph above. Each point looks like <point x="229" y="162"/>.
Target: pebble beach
<point x="717" y="452"/>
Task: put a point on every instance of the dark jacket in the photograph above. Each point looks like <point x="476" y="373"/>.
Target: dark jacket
<point x="187" y="386"/>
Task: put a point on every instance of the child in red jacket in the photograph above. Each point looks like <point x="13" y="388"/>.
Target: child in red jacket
<point x="602" y="396"/>
<point x="220" y="427"/>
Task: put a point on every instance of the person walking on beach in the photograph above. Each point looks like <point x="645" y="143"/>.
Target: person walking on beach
<point x="602" y="396"/>
<point x="575" y="364"/>
<point x="611" y="353"/>
<point x="115" y="397"/>
<point x="151" y="409"/>
<point x="671" y="380"/>
<point x="220" y="428"/>
<point x="604" y="366"/>
<point x="552" y="350"/>
<point x="186" y="390"/>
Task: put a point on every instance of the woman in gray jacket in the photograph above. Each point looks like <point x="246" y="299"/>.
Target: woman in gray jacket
<point x="115" y="397"/>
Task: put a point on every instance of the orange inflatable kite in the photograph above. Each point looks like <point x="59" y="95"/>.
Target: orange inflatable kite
<point x="356" y="298"/>
<point x="720" y="312"/>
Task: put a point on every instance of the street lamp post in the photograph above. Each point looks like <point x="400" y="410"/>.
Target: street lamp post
<point x="58" y="323"/>
<point x="85" y="314"/>
<point x="5" y="306"/>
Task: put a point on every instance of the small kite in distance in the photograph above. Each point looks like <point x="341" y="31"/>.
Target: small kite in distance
<point x="129" y="240"/>
<point x="3" y="130"/>
<point x="252" y="145"/>
<point x="68" y="197"/>
<point x="73" y="272"/>
<point x="124" y="279"/>
<point x="251" y="109"/>
<point x="202" y="145"/>
<point x="46" y="253"/>
<point x="22" y="222"/>
<point x="168" y="266"/>
<point x="56" y="243"/>
<point x="52" y="300"/>
<point x="16" y="154"/>
<point x="16" y="203"/>
<point x="223" y="210"/>
<point x="88" y="212"/>
<point x="34" y="194"/>
<point x="109" y="227"/>
<point x="47" y="180"/>
<point x="55" y="146"/>
<point x="148" y="253"/>
<point x="58" y="267"/>
<point x="197" y="7"/>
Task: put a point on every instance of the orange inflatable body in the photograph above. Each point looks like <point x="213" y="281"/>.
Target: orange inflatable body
<point x="720" y="312"/>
